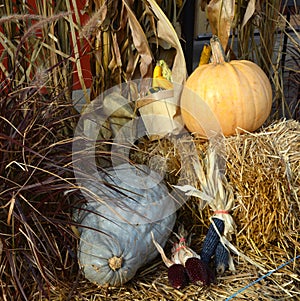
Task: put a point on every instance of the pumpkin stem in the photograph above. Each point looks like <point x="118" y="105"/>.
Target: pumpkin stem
<point x="115" y="263"/>
<point x="218" y="54"/>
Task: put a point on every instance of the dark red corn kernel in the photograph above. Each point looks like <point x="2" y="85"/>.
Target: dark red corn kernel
<point x="211" y="240"/>
<point x="197" y="271"/>
<point x="177" y="276"/>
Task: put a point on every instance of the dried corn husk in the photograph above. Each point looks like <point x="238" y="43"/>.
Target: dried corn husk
<point x="118" y="110"/>
<point x="263" y="169"/>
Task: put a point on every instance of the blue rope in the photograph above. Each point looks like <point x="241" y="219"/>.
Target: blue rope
<point x="261" y="278"/>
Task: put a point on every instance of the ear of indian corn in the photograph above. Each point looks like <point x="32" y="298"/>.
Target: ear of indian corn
<point x="221" y="258"/>
<point x="211" y="240"/>
<point x="197" y="271"/>
<point x="177" y="276"/>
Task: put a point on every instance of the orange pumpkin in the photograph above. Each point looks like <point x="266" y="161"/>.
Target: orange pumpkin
<point x="237" y="94"/>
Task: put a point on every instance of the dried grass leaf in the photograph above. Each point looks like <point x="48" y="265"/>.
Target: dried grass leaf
<point x="249" y="12"/>
<point x="166" y="32"/>
<point x="140" y="42"/>
<point x="220" y="14"/>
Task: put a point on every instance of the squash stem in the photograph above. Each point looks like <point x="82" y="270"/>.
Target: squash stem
<point x="218" y="54"/>
<point x="115" y="263"/>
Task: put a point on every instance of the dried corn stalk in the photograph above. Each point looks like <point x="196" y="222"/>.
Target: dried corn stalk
<point x="127" y="41"/>
<point x="120" y="50"/>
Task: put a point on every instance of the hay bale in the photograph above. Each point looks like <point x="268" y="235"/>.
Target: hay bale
<point x="264" y="171"/>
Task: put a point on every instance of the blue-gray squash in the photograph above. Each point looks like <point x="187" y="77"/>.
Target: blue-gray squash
<point x="122" y="210"/>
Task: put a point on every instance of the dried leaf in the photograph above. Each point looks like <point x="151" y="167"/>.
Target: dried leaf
<point x="249" y="12"/>
<point x="203" y="4"/>
<point x="220" y="14"/>
<point x="166" y="32"/>
<point x="160" y="250"/>
<point x="116" y="50"/>
<point x="189" y="190"/>
<point x="140" y="42"/>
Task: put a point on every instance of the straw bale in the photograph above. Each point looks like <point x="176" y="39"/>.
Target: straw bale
<point x="263" y="169"/>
